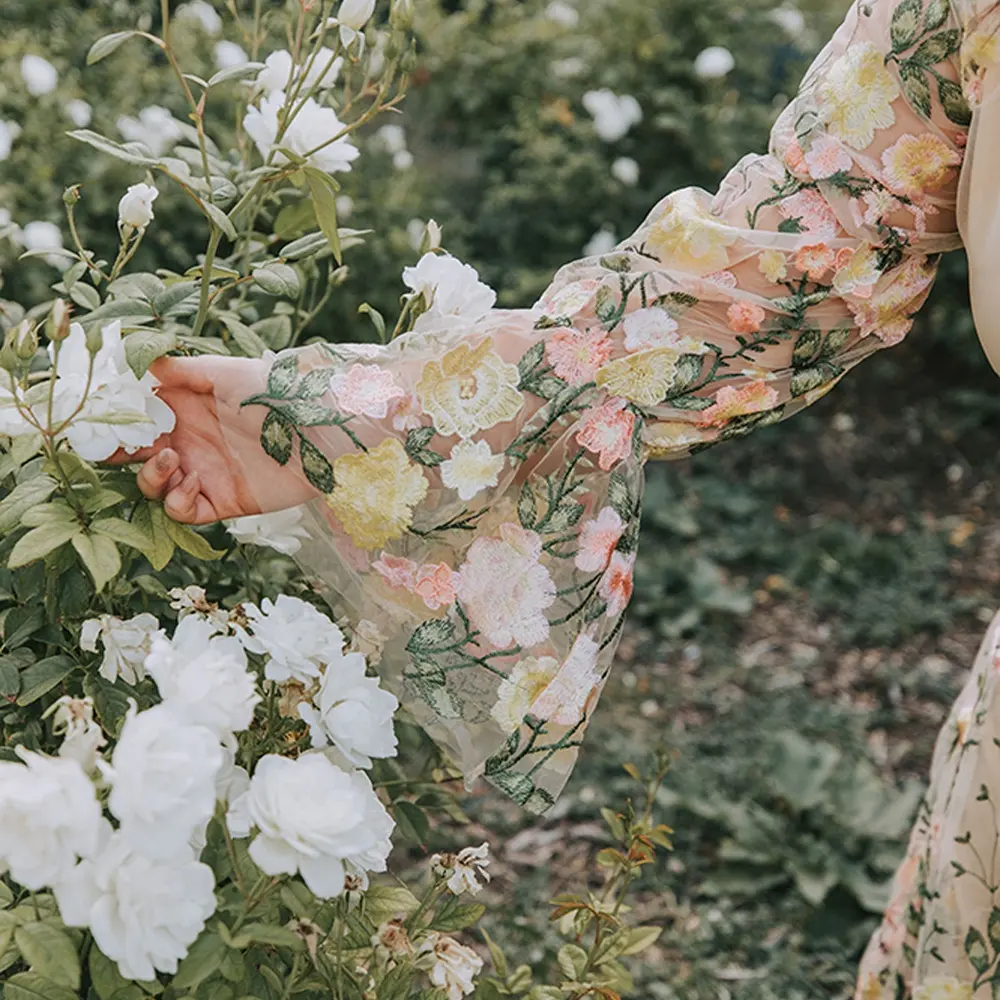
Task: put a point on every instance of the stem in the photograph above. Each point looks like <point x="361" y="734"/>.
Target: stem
<point x="206" y="280"/>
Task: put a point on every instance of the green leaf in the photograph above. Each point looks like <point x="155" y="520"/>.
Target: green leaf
<point x="993" y="928"/>
<point x="283" y="377"/>
<point x="50" y="952"/>
<point x="41" y="677"/>
<point x="39" y="542"/>
<point x="129" y="312"/>
<point x="455" y="916"/>
<point x="121" y="531"/>
<point x="219" y="219"/>
<point x="99" y="142"/>
<point x="687" y="371"/>
<point x="110" y="700"/>
<point x="151" y="520"/>
<point x="309" y="412"/>
<point x="247" y="341"/>
<point x="396" y="984"/>
<point x="806" y="347"/>
<point x="431" y="636"/>
<point x="277" y="437"/>
<point x="937" y="48"/>
<point x="110" y="984"/>
<point x="277" y="279"/>
<point x="316" y="466"/>
<point x="563" y="517"/>
<point x="954" y="103"/>
<point x="143" y="347"/>
<point x="620" y="496"/>
<point x="976" y="950"/>
<point x="31" y="986"/>
<point x="518" y="786"/>
<point x="527" y="508"/>
<point x="304" y="246"/>
<point x="23" y="497"/>
<point x="202" y="961"/>
<point x="280" y="937"/>
<point x="234" y="73"/>
<point x="323" y="192"/>
<point x="572" y="961"/>
<point x="103" y="47"/>
<point x="411" y="821"/>
<point x="936" y="14"/>
<point x="905" y="26"/>
<point x="640" y="938"/>
<point x="383" y="902"/>
<point x="85" y="296"/>
<point x="314" y="383"/>
<point x="807" y="379"/>
<point x="100" y="555"/>
<point x="174" y="295"/>
<point x="378" y="321"/>
<point x="10" y="679"/>
<point x="191" y="542"/>
<point x="916" y="87"/>
<point x="18" y="626"/>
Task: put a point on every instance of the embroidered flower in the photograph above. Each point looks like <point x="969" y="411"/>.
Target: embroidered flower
<point x="577" y="354"/>
<point x="405" y="411"/>
<point x="943" y="988"/>
<point x="794" y="159"/>
<point x="889" y="313"/>
<point x="874" y="206"/>
<point x="827" y="157"/>
<point x="616" y="585"/>
<point x="745" y="317"/>
<point x="669" y="439"/>
<point x="565" y="698"/>
<point x="815" y="259"/>
<point x="470" y="389"/>
<point x="570" y="299"/>
<point x="813" y="213"/>
<point x="597" y="540"/>
<point x="686" y="237"/>
<point x="857" y="271"/>
<point x="399" y="573"/>
<point x="505" y="589"/>
<point x="365" y="390"/>
<point x="916" y="164"/>
<point x="771" y="264"/>
<point x="731" y="402"/>
<point x="982" y="48"/>
<point x="520" y="688"/>
<point x="857" y="95"/>
<point x="471" y="468"/>
<point x="375" y="493"/>
<point x="651" y="327"/>
<point x="645" y="377"/>
<point x="434" y="583"/>
<point x="607" y="431"/>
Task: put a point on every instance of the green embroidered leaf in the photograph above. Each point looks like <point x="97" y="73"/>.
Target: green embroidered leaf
<point x="993" y="928"/>
<point x="690" y="403"/>
<point x="316" y="466"/>
<point x="314" y="383"/>
<point x="792" y="225"/>
<point x="620" y="496"/>
<point x="683" y="299"/>
<point x="835" y="342"/>
<point x="545" y="386"/>
<point x="514" y="784"/>
<point x="953" y="101"/>
<point x="605" y="305"/>
<point x="276" y="437"/>
<point x="616" y="262"/>
<point x="527" y="508"/>
<point x="936" y="14"/>
<point x="309" y="413"/>
<point x="499" y="760"/>
<point x="539" y="802"/>
<point x="430" y="636"/>
<point x="687" y="370"/>
<point x="976" y="950"/>
<point x="530" y="360"/>
<point x="807" y="379"/>
<point x="806" y="347"/>
<point x="563" y="517"/>
<point x="283" y="377"/>
<point x="937" y="48"/>
<point x="905" y="27"/>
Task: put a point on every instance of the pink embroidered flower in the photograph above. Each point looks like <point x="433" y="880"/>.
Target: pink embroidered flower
<point x="795" y="159"/>
<point x="565" y="698"/>
<point x="616" y="585"/>
<point x="650" y="327"/>
<point x="435" y="585"/>
<point x="856" y="272"/>
<point x="814" y="214"/>
<point x="607" y="431"/>
<point x="815" y="259"/>
<point x="505" y="589"/>
<point x="917" y="164"/>
<point x="889" y="312"/>
<point x="577" y="354"/>
<point x="406" y="412"/>
<point x="874" y="206"/>
<point x="570" y="299"/>
<point x="827" y="157"/>
<point x="399" y="573"/>
<point x="723" y="279"/>
<point x="365" y="390"/>
<point x="745" y="317"/>
<point x="731" y="402"/>
<point x="598" y="539"/>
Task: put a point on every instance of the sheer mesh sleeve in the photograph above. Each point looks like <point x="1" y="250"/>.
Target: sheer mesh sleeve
<point x="479" y="480"/>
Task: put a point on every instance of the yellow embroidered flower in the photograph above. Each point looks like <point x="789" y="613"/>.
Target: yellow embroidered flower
<point x="857" y="272"/>
<point x="517" y="692"/>
<point x="982" y="48"/>
<point x="857" y="95"/>
<point x="943" y="988"/>
<point x="470" y="389"/>
<point x="772" y="265"/>
<point x="916" y="164"/>
<point x="689" y="238"/>
<point x="644" y="377"/>
<point x="375" y="493"/>
<point x="669" y="438"/>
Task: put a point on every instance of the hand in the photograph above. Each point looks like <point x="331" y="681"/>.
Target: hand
<point x="202" y="472"/>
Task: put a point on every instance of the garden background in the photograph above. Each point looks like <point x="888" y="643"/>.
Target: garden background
<point x="807" y="600"/>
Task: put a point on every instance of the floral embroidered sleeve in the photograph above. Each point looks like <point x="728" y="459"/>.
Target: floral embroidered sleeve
<point x="479" y="479"/>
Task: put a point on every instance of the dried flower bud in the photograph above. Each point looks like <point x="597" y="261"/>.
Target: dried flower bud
<point x="57" y="323"/>
<point x="392" y="936"/>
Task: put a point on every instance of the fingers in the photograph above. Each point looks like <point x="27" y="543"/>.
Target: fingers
<point x="155" y="475"/>
<point x="192" y="374"/>
<point x="187" y="504"/>
<point x="123" y="457"/>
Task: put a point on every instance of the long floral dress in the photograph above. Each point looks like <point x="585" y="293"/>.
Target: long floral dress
<point x="481" y="480"/>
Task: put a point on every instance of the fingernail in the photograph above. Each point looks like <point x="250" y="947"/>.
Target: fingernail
<point x="164" y="460"/>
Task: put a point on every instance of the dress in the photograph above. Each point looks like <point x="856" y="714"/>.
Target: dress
<point x="481" y="478"/>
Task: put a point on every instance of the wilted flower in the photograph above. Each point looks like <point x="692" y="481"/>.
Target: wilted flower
<point x="452" y="290"/>
<point x="156" y="128"/>
<point x="312" y="126"/>
<point x="163" y="773"/>
<point x="391" y="936"/>
<point x="73" y="720"/>
<point x="626" y="170"/>
<point x="79" y="112"/>
<point x="280" y="72"/>
<point x="229" y="55"/>
<point x="51" y="817"/>
<point x="282" y="530"/>
<point x="191" y="600"/>
<point x="39" y="75"/>
<point x="312" y="818"/>
<point x="450" y="965"/>
<point x="144" y="914"/>
<point x="126" y="644"/>
<point x="9" y="131"/>
<point x="135" y="210"/>
<point x="613" y="115"/>
<point x="203" y="676"/>
<point x="463" y="870"/>
<point x="202" y="13"/>
<point x="352" y="712"/>
<point x="714" y="62"/>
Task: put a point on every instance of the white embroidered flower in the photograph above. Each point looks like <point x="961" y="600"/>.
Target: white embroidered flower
<point x="312" y="818"/>
<point x="155" y="127"/>
<point x="463" y="870"/>
<point x="229" y="55"/>
<point x="281" y="530"/>
<point x="562" y="13"/>
<point x="613" y="115"/>
<point x="452" y="290"/>
<point x="451" y="966"/>
<point x="79" y="112"/>
<point x="565" y="698"/>
<point x="650" y="327"/>
<point x="9" y="131"/>
<point x="471" y="468"/>
<point x="313" y="126"/>
<point x="626" y="171"/>
<point x="602" y="242"/>
<point x="39" y="75"/>
<point x="203" y="677"/>
<point x="201" y="13"/>
<point x="298" y="639"/>
<point x="144" y="914"/>
<point x="51" y="817"/>
<point x="857" y="95"/>
<point x="280" y="71"/>
<point x="163" y="774"/>
<point x="713" y="63"/>
<point x="135" y="210"/>
<point x="517" y="692"/>
<point x="82" y="737"/>
<point x="352" y="712"/>
<point x="126" y="644"/>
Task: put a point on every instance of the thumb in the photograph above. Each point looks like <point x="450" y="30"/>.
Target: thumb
<point x="181" y="503"/>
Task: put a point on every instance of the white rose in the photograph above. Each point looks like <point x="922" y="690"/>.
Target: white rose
<point x="355" y="13"/>
<point x="613" y="115"/>
<point x="352" y="712"/>
<point x="452" y="289"/>
<point x="625" y="170"/>
<point x="229" y="55"/>
<point x="451" y="966"/>
<point x="280" y="71"/>
<point x="79" y="112"/>
<point x="282" y="530"/>
<point x="312" y="126"/>
<point x="297" y="638"/>
<point x="163" y="774"/>
<point x="312" y="818"/>
<point x="9" y="131"/>
<point x="203" y="676"/>
<point x="714" y="62"/>
<point x="201" y="13"/>
<point x="135" y="209"/>
<point x="126" y="644"/>
<point x="144" y="914"/>
<point x="51" y="817"/>
<point x="39" y="75"/>
<point x="463" y="870"/>
<point x="155" y="127"/>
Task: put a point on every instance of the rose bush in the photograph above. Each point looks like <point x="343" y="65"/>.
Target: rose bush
<point x="202" y="779"/>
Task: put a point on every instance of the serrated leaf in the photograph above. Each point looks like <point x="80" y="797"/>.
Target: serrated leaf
<point x="39" y="542"/>
<point x="323" y="194"/>
<point x="453" y="915"/>
<point x="50" y="952"/>
<point x="316" y="466"/>
<point x="32" y="986"/>
<point x="191" y="542"/>
<point x="41" y="677"/>
<point x="99" y="142"/>
<point x="277" y="437"/>
<point x="100" y="555"/>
